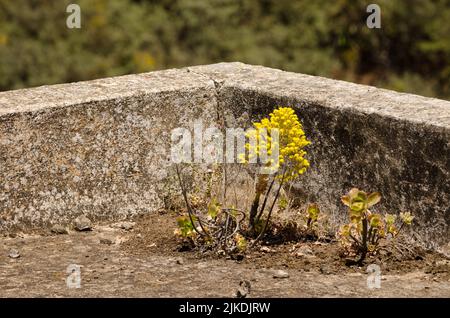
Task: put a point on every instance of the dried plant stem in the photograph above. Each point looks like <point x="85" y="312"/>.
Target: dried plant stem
<point x="188" y="206"/>
<point x="261" y="211"/>
<point x="271" y="208"/>
<point x="224" y="176"/>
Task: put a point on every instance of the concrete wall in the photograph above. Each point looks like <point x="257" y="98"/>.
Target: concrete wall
<point x="97" y="148"/>
<point x="101" y="147"/>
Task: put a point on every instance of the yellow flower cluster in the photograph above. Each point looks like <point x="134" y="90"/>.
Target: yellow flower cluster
<point x="290" y="142"/>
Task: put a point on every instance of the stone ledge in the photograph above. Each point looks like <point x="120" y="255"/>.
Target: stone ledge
<point x="330" y="93"/>
<point x="120" y="87"/>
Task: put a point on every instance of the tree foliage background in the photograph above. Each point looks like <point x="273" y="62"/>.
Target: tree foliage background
<point x="411" y="51"/>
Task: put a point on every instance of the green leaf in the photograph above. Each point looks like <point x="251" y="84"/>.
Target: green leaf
<point x="406" y="218"/>
<point x="358" y="206"/>
<point x="390" y="219"/>
<point x="346" y="200"/>
<point x="359" y="196"/>
<point x="353" y="193"/>
<point x="375" y="220"/>
<point x="241" y="242"/>
<point x="185" y="226"/>
<point x="283" y="203"/>
<point x="373" y="199"/>
<point x="313" y="212"/>
<point x="213" y="208"/>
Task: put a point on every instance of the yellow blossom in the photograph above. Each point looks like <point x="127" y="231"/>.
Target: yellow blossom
<point x="291" y="141"/>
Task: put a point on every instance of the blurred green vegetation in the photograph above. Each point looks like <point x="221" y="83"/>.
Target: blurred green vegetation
<point x="411" y="51"/>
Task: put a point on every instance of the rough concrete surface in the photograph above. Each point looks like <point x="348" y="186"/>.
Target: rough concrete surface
<point x="106" y="270"/>
<point x="97" y="148"/>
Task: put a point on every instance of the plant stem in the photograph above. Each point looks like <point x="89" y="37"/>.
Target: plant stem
<point x="258" y="217"/>
<point x="190" y="212"/>
<point x="271" y="208"/>
<point x="254" y="211"/>
<point x="363" y="249"/>
<point x="356" y="240"/>
<point x="374" y="236"/>
<point x="224" y="183"/>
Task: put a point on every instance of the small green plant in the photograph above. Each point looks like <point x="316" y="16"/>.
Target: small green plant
<point x="365" y="230"/>
<point x="241" y="242"/>
<point x="313" y="212"/>
<point x="185" y="227"/>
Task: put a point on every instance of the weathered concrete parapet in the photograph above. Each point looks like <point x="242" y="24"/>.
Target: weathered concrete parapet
<point x="97" y="148"/>
<point x="101" y="147"/>
<point x="362" y="136"/>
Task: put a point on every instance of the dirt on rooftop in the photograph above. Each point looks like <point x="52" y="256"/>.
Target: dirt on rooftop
<point x="143" y="259"/>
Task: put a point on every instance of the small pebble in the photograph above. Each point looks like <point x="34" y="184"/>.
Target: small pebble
<point x="14" y="253"/>
<point x="82" y="223"/>
<point x="125" y="225"/>
<point x="304" y="251"/>
<point x="58" y="229"/>
<point x="265" y="249"/>
<point x="244" y="289"/>
<point x="106" y="241"/>
<point x="280" y="274"/>
<point x="325" y="269"/>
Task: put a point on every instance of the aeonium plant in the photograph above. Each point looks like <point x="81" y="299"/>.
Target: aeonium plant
<point x="282" y="139"/>
<point x="276" y="146"/>
<point x="366" y="229"/>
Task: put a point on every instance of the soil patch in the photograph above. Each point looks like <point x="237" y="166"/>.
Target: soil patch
<point x="143" y="261"/>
